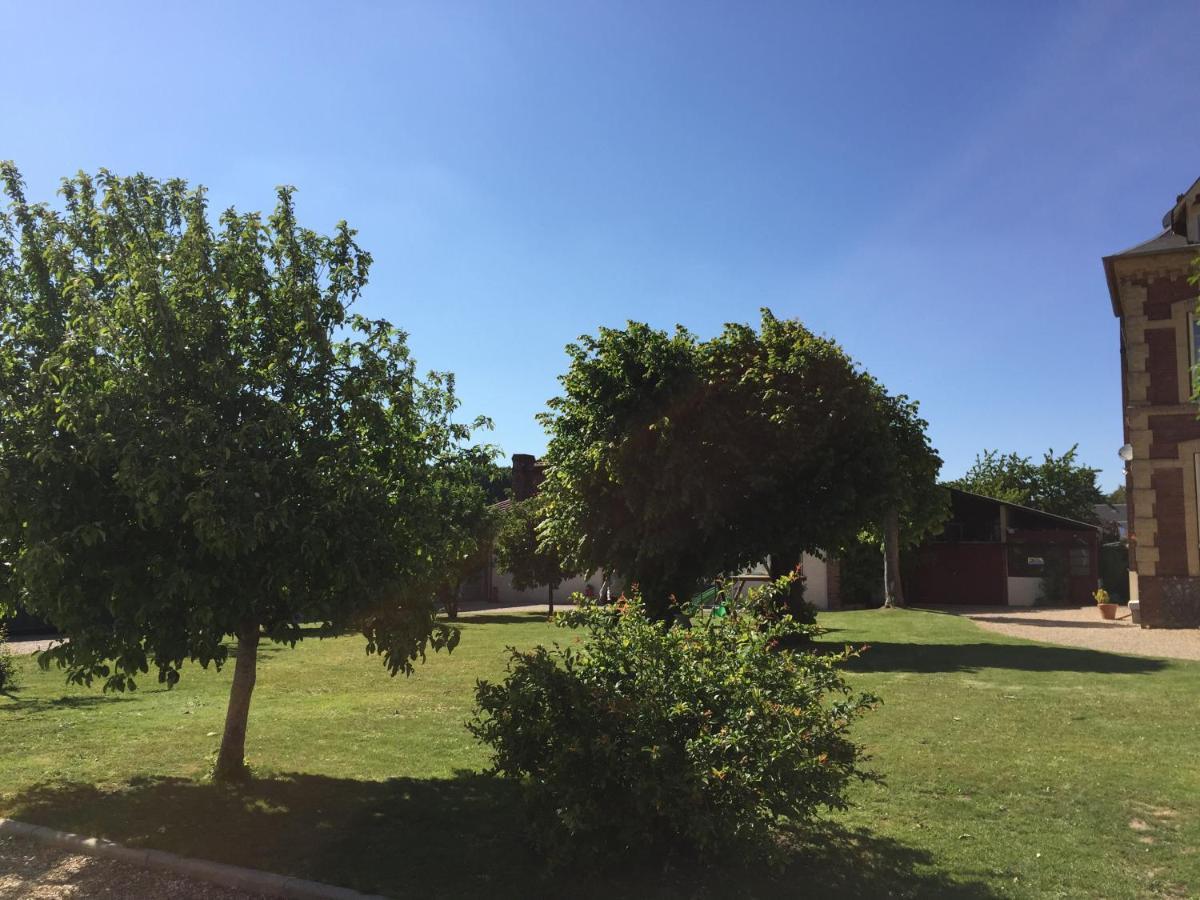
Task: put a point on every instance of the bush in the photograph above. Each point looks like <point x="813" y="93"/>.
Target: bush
<point x="649" y="739"/>
<point x="1054" y="587"/>
<point x="8" y="665"/>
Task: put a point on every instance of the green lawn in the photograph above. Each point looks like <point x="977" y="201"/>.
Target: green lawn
<point x="1012" y="769"/>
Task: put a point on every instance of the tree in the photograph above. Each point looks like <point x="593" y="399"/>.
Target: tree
<point x="199" y="440"/>
<point x="913" y="505"/>
<point x="525" y="555"/>
<point x="462" y="535"/>
<point x="805" y="442"/>
<point x="496" y="481"/>
<point x="624" y="489"/>
<point x="673" y="461"/>
<point x="1116" y="495"/>
<point x="1057" y="485"/>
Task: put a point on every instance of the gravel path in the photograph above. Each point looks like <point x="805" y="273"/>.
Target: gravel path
<point x="21" y="647"/>
<point x="1083" y="627"/>
<point x="34" y="871"/>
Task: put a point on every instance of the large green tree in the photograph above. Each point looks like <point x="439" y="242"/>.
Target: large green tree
<point x="804" y="444"/>
<point x="672" y="460"/>
<point x="199" y="440"/>
<point x="628" y="474"/>
<point x="1058" y="484"/>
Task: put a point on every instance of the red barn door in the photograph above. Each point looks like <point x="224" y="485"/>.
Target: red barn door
<point x="961" y="574"/>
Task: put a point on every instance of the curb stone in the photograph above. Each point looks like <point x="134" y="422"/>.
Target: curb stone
<point x="222" y="874"/>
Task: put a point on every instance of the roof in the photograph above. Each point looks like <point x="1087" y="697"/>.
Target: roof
<point x="1111" y="512"/>
<point x="1168" y="219"/>
<point x="1166" y="242"/>
<point x="1028" y="509"/>
<point x="1169" y="241"/>
<point x="1161" y="243"/>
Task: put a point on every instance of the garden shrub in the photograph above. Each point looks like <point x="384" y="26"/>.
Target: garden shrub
<point x="1054" y="587"/>
<point x="644" y="738"/>
<point x="8" y="665"/>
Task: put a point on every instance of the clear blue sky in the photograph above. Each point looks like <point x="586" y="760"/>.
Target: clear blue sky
<point x="931" y="184"/>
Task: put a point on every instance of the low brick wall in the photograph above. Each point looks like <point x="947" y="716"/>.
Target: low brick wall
<point x="1169" y="601"/>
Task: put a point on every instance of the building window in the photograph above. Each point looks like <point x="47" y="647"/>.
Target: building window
<point x="1193" y="343"/>
<point x="1081" y="561"/>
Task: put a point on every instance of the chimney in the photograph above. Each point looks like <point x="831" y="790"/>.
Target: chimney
<point x="524" y="476"/>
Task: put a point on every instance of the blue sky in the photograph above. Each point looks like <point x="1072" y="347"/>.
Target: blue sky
<point x="933" y="185"/>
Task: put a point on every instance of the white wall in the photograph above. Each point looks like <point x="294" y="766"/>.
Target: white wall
<point x="1023" y="591"/>
<point x="507" y="594"/>
<point x="816" y="584"/>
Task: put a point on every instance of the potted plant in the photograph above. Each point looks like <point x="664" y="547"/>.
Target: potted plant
<point x="1108" y="609"/>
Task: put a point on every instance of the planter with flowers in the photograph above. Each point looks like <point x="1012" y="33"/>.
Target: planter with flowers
<point x="1108" y="609"/>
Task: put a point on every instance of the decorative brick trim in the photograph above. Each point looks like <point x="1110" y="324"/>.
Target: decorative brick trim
<point x="1169" y="515"/>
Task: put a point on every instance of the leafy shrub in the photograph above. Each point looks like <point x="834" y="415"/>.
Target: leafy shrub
<point x="648" y="738"/>
<point x="1054" y="585"/>
<point x="8" y="665"/>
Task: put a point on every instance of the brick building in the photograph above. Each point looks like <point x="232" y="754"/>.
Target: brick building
<point x="1156" y="304"/>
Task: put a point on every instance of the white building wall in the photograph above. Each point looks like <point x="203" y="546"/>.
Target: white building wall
<point x="1023" y="591"/>
<point x="507" y="594"/>
<point x="816" y="581"/>
<point x="816" y="585"/>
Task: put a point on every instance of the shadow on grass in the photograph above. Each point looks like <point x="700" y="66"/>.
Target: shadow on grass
<point x="906" y="657"/>
<point x="457" y="837"/>
<point x="528" y="618"/>
<point x="1043" y="623"/>
<point x="32" y="706"/>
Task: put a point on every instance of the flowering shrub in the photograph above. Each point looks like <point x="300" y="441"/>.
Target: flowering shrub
<point x="642" y="737"/>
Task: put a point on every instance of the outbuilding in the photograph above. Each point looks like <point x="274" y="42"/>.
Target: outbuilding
<point x="995" y="553"/>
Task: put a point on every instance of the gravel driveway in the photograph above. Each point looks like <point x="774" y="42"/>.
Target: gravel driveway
<point x="1083" y="627"/>
<point x="34" y="871"/>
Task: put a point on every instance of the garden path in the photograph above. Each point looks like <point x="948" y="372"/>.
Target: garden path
<point x="1083" y="627"/>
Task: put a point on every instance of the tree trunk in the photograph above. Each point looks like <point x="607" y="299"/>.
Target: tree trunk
<point x="449" y="594"/>
<point x="893" y="590"/>
<point x="231" y="761"/>
<point x="550" y="588"/>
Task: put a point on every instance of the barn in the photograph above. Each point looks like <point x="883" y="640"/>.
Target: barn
<point x="995" y="553"/>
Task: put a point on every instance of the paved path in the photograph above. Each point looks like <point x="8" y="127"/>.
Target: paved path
<point x="476" y="608"/>
<point x="31" y="870"/>
<point x="1083" y="627"/>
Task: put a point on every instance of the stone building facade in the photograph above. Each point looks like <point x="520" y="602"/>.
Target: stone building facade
<point x="1155" y="301"/>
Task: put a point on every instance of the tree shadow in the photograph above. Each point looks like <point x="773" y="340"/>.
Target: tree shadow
<point x="455" y="837"/>
<point x="36" y="705"/>
<point x="929" y="658"/>
<point x="500" y="619"/>
<point x="1045" y="623"/>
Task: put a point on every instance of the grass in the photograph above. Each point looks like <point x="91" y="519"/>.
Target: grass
<point x="1012" y="769"/>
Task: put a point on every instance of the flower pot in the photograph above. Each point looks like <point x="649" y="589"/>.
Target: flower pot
<point x="1107" y="610"/>
<point x="1135" y="612"/>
